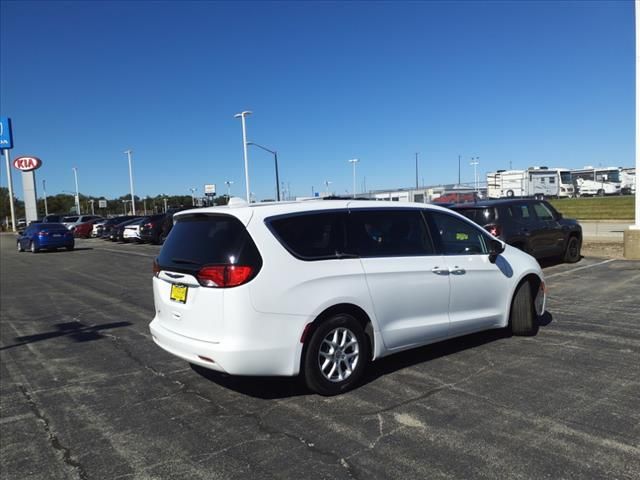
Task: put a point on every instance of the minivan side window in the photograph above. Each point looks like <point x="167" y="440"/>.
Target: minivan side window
<point x="455" y="236"/>
<point x="388" y="233"/>
<point x="310" y="236"/>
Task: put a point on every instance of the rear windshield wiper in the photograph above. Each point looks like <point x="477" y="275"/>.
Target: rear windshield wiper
<point x="184" y="260"/>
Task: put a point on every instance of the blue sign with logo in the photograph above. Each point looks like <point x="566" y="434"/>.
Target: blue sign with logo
<point x="6" y="140"/>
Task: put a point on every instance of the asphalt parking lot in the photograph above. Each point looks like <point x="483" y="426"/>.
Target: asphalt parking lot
<point x="86" y="394"/>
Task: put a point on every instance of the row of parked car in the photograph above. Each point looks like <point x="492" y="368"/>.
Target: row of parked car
<point x="125" y="228"/>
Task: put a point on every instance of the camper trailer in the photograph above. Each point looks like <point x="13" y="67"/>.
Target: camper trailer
<point x="533" y="182"/>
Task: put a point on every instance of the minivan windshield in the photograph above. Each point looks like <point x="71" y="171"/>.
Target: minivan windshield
<point x="199" y="239"/>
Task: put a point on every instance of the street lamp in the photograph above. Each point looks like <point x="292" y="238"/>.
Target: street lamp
<point x="228" y="183"/>
<point x="44" y="191"/>
<point x="75" y="175"/>
<point x="353" y="161"/>
<point x="326" y="184"/>
<point x="275" y="156"/>
<point x="475" y="162"/>
<point x="242" y="116"/>
<point x="133" y="200"/>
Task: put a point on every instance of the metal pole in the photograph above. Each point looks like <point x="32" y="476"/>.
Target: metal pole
<point x="133" y="200"/>
<point x="353" y="161"/>
<point x="92" y="201"/>
<point x="242" y="116"/>
<point x="275" y="155"/>
<point x="10" y="181"/>
<point x="44" y="191"/>
<point x="416" y="170"/>
<point x="144" y="202"/>
<point x="165" y="204"/>
<point x="458" y="169"/>
<point x="75" y="175"/>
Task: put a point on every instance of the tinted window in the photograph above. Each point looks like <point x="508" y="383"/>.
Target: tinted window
<point x="457" y="237"/>
<point x="70" y="219"/>
<point x="481" y="216"/>
<point x="311" y="236"/>
<point x="542" y="211"/>
<point x="199" y="239"/>
<point x="388" y="233"/>
<point x="54" y="227"/>
<point x="520" y="211"/>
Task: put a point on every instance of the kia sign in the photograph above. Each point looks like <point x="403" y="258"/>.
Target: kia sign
<point x="27" y="164"/>
<point x="6" y="140"/>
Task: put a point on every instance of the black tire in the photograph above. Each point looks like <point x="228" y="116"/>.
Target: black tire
<point x="523" y="317"/>
<point x="33" y="248"/>
<point x="510" y="193"/>
<point x="70" y="247"/>
<point x="572" y="253"/>
<point x="20" y="249"/>
<point x="315" y="377"/>
<point x="601" y="193"/>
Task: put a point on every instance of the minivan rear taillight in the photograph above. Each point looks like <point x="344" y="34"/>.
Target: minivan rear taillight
<point x="493" y="229"/>
<point x="222" y="276"/>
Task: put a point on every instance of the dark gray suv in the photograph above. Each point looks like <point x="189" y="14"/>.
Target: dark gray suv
<point x="533" y="226"/>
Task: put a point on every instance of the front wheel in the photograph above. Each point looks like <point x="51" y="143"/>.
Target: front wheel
<point x="572" y="253"/>
<point x="33" y="247"/>
<point x="20" y="249"/>
<point x="337" y="355"/>
<point x="523" y="317"/>
<point x="70" y="247"/>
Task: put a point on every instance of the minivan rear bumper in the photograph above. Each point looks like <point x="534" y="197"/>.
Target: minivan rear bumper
<point x="236" y="359"/>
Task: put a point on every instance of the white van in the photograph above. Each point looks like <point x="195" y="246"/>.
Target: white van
<point x="322" y="288"/>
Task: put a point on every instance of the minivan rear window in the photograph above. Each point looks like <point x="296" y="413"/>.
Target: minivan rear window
<point x="481" y="216"/>
<point x="199" y="239"/>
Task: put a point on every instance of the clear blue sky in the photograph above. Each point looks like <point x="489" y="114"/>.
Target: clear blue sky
<point x="532" y="83"/>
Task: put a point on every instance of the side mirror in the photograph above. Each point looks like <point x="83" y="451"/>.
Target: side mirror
<point x="495" y="249"/>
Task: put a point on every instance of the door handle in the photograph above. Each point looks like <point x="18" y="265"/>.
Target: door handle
<point x="457" y="271"/>
<point x="440" y="271"/>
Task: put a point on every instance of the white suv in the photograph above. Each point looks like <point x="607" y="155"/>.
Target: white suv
<point x="321" y="288"/>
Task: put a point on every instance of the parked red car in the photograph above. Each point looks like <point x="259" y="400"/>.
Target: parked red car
<point x="84" y="229"/>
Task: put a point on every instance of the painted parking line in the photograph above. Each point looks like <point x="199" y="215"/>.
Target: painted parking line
<point x="579" y="268"/>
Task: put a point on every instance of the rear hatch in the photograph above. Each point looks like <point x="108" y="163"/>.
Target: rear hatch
<point x="203" y="256"/>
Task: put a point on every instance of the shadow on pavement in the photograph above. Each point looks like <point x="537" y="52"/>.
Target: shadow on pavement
<point x="269" y="388"/>
<point x="76" y="331"/>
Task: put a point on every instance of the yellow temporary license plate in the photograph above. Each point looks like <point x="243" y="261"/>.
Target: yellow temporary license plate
<point x="179" y="293"/>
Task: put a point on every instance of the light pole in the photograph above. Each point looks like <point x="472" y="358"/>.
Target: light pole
<point x="326" y="184"/>
<point x="133" y="200"/>
<point x="92" y="201"/>
<point x="165" y="204"/>
<point x="242" y="116"/>
<point x="228" y="183"/>
<point x="75" y="175"/>
<point x="416" y="170"/>
<point x="193" y="196"/>
<point x="44" y="191"/>
<point x="124" y="202"/>
<point x="475" y="162"/>
<point x="353" y="161"/>
<point x="275" y="156"/>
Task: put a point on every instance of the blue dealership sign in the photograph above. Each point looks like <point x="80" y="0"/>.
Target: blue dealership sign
<point x="6" y="140"/>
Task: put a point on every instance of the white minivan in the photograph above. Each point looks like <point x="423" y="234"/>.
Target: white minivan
<point x="321" y="288"/>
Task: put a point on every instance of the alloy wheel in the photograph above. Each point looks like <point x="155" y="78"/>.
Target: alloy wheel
<point x="339" y="354"/>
